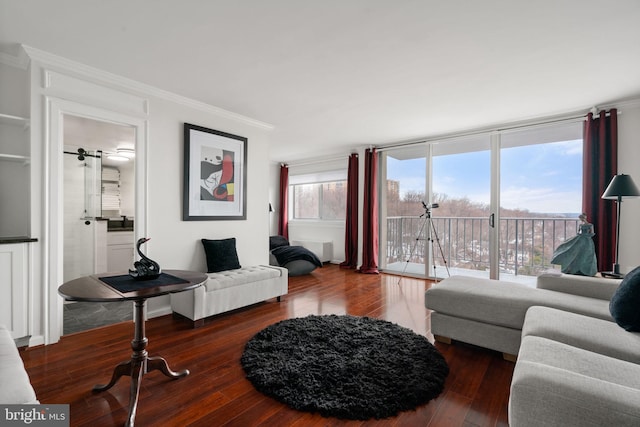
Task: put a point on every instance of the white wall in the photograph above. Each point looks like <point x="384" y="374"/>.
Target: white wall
<point x="175" y="243"/>
<point x="629" y="163"/>
<point x="317" y="231"/>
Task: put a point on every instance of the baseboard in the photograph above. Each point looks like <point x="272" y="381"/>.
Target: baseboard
<point x="159" y="311"/>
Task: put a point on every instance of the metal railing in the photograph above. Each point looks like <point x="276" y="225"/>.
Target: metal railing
<point x="526" y="245"/>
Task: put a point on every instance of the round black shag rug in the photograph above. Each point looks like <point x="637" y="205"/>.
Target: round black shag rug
<point x="346" y="367"/>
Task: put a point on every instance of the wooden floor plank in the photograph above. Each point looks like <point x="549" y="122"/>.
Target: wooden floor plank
<point x="216" y="393"/>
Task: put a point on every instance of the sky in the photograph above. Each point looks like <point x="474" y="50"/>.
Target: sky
<point x="541" y="178"/>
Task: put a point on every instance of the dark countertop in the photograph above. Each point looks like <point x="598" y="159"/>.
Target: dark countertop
<point x="18" y="239"/>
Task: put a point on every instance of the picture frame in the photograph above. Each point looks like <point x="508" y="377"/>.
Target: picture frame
<point x="215" y="175"/>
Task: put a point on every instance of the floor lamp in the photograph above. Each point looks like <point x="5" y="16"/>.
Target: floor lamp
<point x="620" y="186"/>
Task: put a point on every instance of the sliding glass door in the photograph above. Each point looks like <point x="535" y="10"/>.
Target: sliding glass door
<point x="505" y="200"/>
<point x="461" y="185"/>
<point x="540" y="195"/>
<point x="403" y="190"/>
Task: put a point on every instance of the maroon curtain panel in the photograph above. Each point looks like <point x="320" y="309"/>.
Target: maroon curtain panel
<point x="370" y="214"/>
<point x="283" y="219"/>
<point x="600" y="164"/>
<point x="351" y="220"/>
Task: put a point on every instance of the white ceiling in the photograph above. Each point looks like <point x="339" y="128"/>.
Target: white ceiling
<point x="333" y="75"/>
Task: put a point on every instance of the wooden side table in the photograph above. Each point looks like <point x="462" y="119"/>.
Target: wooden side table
<point x="107" y="287"/>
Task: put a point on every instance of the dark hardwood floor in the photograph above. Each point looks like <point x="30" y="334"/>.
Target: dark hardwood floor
<point x="217" y="393"/>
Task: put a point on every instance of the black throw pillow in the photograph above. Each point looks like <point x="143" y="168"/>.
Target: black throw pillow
<point x="221" y="254"/>
<point x="625" y="303"/>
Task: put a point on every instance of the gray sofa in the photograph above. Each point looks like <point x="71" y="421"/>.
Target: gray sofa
<point x="491" y="313"/>
<point x="15" y="387"/>
<point x="575" y="366"/>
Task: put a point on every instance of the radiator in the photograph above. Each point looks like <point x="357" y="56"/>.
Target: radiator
<point x="322" y="249"/>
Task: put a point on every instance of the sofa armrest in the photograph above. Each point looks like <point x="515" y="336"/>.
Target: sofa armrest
<point x="593" y="287"/>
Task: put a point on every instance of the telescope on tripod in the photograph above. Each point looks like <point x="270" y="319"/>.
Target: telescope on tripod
<point x="432" y="237"/>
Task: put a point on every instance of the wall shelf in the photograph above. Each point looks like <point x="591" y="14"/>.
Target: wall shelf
<point x="8" y="119"/>
<point x="14" y="120"/>
<point x="14" y="158"/>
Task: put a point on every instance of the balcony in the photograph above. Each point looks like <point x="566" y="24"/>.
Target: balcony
<point x="525" y="249"/>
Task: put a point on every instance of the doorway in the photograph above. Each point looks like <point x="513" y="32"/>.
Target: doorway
<point x="99" y="212"/>
<point x="56" y="109"/>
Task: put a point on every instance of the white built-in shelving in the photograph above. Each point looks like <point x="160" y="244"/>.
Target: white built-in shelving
<point x="14" y="120"/>
<point x="11" y="120"/>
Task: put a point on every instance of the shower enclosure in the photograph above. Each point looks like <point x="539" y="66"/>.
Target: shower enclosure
<point x="83" y="226"/>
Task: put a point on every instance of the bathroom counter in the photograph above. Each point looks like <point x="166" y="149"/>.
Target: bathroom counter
<point x="17" y="239"/>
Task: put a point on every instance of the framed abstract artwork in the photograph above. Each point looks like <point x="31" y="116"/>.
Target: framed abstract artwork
<point x="215" y="175"/>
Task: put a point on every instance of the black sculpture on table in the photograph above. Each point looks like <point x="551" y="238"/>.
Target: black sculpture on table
<point x="146" y="268"/>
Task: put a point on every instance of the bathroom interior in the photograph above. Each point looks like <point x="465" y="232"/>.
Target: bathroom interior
<point x="99" y="211"/>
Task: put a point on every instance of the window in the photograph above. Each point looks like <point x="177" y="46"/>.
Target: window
<point x="320" y="196"/>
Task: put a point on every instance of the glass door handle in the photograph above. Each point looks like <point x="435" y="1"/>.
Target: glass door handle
<point x="492" y="220"/>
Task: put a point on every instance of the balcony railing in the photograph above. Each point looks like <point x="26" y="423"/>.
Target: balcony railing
<point x="526" y="245"/>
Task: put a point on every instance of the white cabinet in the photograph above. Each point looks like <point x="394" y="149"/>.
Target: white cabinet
<point x="120" y="253"/>
<point x="14" y="287"/>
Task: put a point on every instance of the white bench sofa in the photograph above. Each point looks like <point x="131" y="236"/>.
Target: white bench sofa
<point x="15" y="387"/>
<point x="229" y="290"/>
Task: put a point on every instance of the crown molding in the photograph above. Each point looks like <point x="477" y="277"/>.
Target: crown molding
<point x="138" y="87"/>
<point x="631" y="102"/>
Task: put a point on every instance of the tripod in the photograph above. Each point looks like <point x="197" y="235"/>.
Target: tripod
<point x="432" y="237"/>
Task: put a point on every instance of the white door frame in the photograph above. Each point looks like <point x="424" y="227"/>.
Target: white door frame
<point x="55" y="109"/>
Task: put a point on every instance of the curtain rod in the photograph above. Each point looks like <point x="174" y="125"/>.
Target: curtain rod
<point x="575" y="117"/>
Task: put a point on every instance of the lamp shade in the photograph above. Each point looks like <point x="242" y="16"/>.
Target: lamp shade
<point x="621" y="186"/>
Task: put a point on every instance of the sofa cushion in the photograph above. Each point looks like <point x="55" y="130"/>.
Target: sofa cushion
<point x="221" y="254"/>
<point x="625" y="303"/>
<point x="15" y="387"/>
<point x="596" y="335"/>
<point x="241" y="276"/>
<point x="593" y="287"/>
<point x="503" y="303"/>
<point x="555" y="384"/>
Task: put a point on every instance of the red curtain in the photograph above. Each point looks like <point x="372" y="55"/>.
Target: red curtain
<point x="283" y="220"/>
<point x="370" y="214"/>
<point x="600" y="165"/>
<point x="351" y="232"/>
